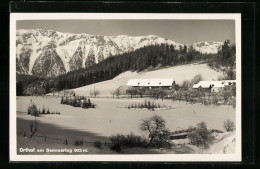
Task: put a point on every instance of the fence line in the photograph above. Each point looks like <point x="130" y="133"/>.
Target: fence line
<point x="65" y="141"/>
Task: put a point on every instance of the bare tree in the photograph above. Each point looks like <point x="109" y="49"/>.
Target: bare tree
<point x="34" y="126"/>
<point x="162" y="93"/>
<point x="113" y="93"/>
<point x="132" y="91"/>
<point x="229" y="125"/>
<point x="187" y="96"/>
<point x="215" y="100"/>
<point x="158" y="133"/>
<point x="117" y="92"/>
<point x="179" y="95"/>
<point x="196" y="79"/>
<point x="94" y="92"/>
<point x="186" y="85"/>
<point x="140" y="92"/>
<point x="226" y="95"/>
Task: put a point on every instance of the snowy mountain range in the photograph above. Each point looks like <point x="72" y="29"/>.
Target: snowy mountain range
<point x="50" y="53"/>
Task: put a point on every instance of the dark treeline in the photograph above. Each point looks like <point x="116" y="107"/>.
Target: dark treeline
<point x="155" y="56"/>
<point x="28" y="84"/>
<point x="225" y="60"/>
<point x="227" y="54"/>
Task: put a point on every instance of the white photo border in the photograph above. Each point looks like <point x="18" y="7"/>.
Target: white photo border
<point x="236" y="157"/>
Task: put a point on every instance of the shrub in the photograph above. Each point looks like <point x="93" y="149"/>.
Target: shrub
<point x="61" y="101"/>
<point x="32" y="110"/>
<point x="130" y="140"/>
<point x="155" y="105"/>
<point x="86" y="105"/>
<point x="39" y="111"/>
<point x="234" y="103"/>
<point x="149" y="105"/>
<point x="226" y="95"/>
<point x="142" y="105"/>
<point x="117" y="139"/>
<point x="162" y="143"/>
<point x="43" y="110"/>
<point x="116" y="147"/>
<point x="74" y="102"/>
<point x="215" y="99"/>
<point x="98" y="144"/>
<point x="200" y="136"/>
<point x="146" y="104"/>
<point x="48" y="111"/>
<point x="229" y="125"/>
<point x="78" y="142"/>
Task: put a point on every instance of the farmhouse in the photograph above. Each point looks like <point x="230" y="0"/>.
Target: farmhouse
<point x="213" y="86"/>
<point x="151" y="83"/>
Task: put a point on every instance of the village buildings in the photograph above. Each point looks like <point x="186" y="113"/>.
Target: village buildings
<point x="214" y="86"/>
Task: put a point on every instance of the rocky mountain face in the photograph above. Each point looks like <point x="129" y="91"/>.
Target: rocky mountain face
<point x="49" y="53"/>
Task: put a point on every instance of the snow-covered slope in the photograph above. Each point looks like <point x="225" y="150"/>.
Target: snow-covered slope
<point x="37" y="49"/>
<point x="178" y="73"/>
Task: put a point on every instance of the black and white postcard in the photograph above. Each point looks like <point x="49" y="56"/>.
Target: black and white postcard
<point x="125" y="87"/>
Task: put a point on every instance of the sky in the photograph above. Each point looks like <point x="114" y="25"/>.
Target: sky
<point x="180" y="31"/>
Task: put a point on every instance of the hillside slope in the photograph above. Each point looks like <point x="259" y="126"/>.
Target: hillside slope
<point x="178" y="73"/>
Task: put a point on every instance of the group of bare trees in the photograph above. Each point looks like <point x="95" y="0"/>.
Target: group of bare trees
<point x="186" y="93"/>
<point x="116" y="93"/>
<point x="159" y="134"/>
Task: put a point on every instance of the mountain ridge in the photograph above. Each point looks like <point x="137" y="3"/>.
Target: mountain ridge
<point x="37" y="49"/>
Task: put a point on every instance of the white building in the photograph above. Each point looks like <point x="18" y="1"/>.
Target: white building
<point x="213" y="86"/>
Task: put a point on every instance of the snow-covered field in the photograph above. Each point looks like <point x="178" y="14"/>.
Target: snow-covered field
<point x="111" y="117"/>
<point x="178" y="73"/>
<point x="226" y="145"/>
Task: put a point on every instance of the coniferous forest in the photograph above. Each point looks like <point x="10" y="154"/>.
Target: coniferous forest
<point x="151" y="57"/>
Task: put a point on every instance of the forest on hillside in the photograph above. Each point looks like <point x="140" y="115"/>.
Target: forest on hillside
<point x="155" y="56"/>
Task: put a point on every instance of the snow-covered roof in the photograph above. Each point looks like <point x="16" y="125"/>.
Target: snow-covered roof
<point x="207" y="84"/>
<point x="229" y="82"/>
<point x="150" y="82"/>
